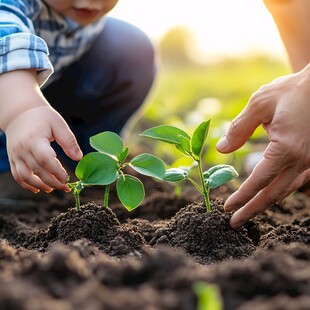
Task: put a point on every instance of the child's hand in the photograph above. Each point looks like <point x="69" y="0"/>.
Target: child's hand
<point x="33" y="161"/>
<point x="30" y="124"/>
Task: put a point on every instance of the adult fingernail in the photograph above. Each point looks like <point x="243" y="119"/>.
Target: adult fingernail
<point x="230" y="208"/>
<point x="236" y="225"/>
<point x="223" y="144"/>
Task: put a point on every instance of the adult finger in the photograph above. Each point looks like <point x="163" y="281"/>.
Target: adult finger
<point x="240" y="130"/>
<point x="277" y="158"/>
<point x="302" y="183"/>
<point x="270" y="195"/>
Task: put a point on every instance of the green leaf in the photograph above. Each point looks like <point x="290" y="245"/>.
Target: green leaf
<point x="209" y="297"/>
<point x="96" y="169"/>
<point x="213" y="169"/>
<point x="124" y="154"/>
<point x="76" y="186"/>
<point x="109" y="143"/>
<point x="169" y="134"/>
<point x="175" y="175"/>
<point x="130" y="191"/>
<point x="219" y="175"/>
<point x="185" y="146"/>
<point x="149" y="165"/>
<point x="199" y="138"/>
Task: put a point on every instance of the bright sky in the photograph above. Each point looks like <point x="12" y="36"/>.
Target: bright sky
<point x="221" y="27"/>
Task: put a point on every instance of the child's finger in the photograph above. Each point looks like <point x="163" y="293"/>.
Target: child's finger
<point x="24" y="185"/>
<point x="66" y="139"/>
<point x="45" y="160"/>
<point x="27" y="179"/>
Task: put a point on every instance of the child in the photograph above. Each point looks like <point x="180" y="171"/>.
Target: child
<point x="67" y="72"/>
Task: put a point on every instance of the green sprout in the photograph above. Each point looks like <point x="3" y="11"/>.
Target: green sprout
<point x="193" y="147"/>
<point x="106" y="166"/>
<point x="208" y="296"/>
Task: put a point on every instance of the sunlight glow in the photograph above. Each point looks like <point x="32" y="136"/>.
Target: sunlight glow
<point x="220" y="27"/>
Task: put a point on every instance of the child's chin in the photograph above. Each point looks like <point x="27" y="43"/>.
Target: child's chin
<point x="85" y="17"/>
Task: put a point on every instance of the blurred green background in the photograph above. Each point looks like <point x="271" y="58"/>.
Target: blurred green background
<point x="187" y="92"/>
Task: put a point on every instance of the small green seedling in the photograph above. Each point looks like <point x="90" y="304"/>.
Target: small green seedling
<point x="208" y="295"/>
<point x="192" y="146"/>
<point x="106" y="166"/>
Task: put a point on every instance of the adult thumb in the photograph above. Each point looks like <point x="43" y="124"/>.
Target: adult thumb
<point x="238" y="133"/>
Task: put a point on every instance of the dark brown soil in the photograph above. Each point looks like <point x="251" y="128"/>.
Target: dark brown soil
<point x="54" y="257"/>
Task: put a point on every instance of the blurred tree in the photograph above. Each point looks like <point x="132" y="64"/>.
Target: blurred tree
<point x="174" y="47"/>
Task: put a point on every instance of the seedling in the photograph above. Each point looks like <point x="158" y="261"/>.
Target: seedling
<point x="192" y="146"/>
<point x="208" y="296"/>
<point x="106" y="166"/>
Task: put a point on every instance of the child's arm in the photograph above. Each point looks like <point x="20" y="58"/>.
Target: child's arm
<point x="30" y="124"/>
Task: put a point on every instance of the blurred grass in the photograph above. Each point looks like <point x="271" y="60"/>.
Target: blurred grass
<point x="185" y="95"/>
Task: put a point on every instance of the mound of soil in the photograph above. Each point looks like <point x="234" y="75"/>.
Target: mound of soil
<point x="54" y="257"/>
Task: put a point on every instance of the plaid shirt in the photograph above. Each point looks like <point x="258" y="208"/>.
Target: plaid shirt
<point x="32" y="35"/>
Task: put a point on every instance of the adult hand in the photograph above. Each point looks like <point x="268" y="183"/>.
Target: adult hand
<point x="283" y="109"/>
<point x="33" y="161"/>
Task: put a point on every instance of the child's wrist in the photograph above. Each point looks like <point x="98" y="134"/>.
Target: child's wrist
<point x="19" y="93"/>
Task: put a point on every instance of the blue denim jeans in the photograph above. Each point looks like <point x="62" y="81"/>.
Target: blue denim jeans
<point x="104" y="88"/>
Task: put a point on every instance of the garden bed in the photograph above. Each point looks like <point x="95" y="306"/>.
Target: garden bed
<point x="54" y="257"/>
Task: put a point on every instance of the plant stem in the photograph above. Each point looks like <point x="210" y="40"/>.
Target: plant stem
<point x="204" y="187"/>
<point x="177" y="190"/>
<point x="196" y="186"/>
<point x="106" y="196"/>
<point x="77" y="199"/>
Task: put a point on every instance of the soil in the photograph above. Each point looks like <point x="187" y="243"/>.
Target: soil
<point x="54" y="257"/>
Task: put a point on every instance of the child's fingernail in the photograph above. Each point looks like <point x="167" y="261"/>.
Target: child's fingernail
<point x="78" y="154"/>
<point x="66" y="189"/>
<point x="222" y="144"/>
